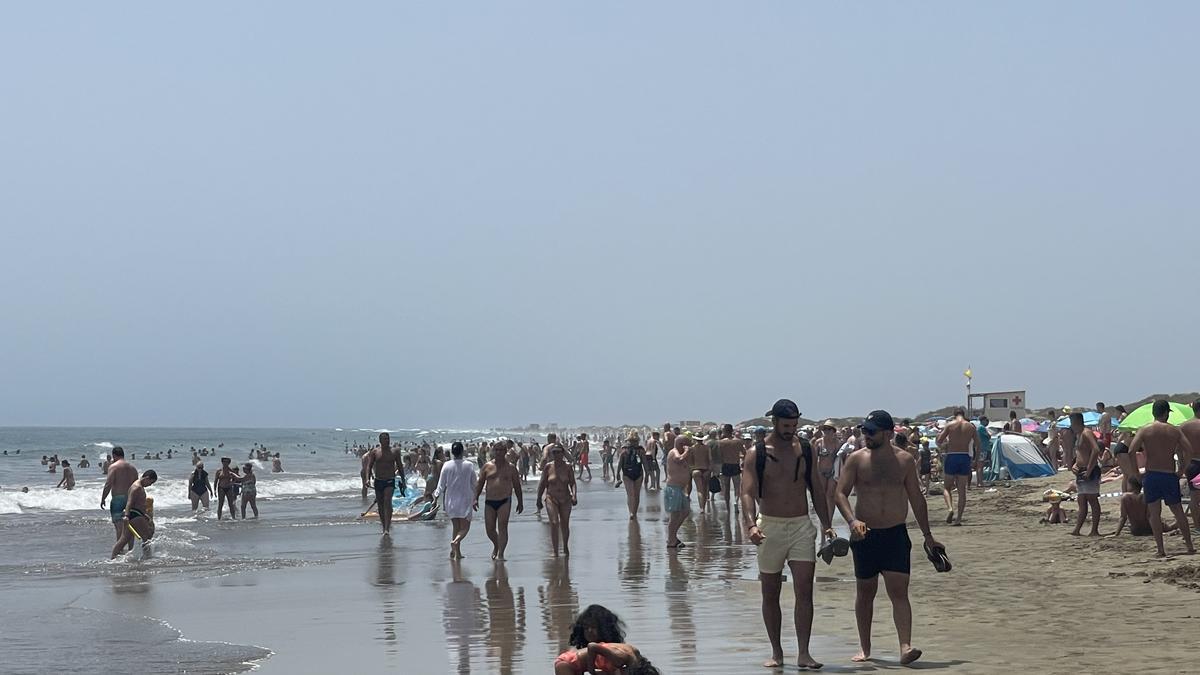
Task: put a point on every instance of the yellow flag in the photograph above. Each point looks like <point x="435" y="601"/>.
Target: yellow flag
<point x="967" y="372"/>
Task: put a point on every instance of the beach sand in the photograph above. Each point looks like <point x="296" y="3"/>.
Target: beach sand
<point x="1018" y="595"/>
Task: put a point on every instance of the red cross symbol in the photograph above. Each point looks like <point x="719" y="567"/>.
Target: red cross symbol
<point x="1017" y="401"/>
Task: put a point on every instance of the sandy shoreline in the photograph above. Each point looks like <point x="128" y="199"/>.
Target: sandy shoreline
<point x="1019" y="590"/>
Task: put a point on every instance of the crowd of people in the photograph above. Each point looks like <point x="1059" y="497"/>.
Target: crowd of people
<point x="767" y="476"/>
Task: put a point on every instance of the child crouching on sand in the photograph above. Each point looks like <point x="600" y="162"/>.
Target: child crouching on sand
<point x="1054" y="513"/>
<point x="597" y="641"/>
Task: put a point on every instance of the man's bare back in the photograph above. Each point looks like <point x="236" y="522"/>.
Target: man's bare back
<point x="1160" y="441"/>
<point x="731" y="450"/>
<point x="958" y="436"/>
<point x="1191" y="431"/>
<point x="121" y="474"/>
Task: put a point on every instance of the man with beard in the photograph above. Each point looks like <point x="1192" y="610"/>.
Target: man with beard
<point x="783" y="530"/>
<point x="884" y="480"/>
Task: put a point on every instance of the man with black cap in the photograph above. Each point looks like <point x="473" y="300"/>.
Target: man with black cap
<point x="783" y="531"/>
<point x="1163" y="442"/>
<point x="886" y="482"/>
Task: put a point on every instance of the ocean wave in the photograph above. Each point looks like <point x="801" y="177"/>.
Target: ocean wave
<point x="103" y="444"/>
<point x="167" y="493"/>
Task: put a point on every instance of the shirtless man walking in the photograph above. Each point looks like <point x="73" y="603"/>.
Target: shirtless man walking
<point x="557" y="485"/>
<point x="957" y="438"/>
<point x="1161" y="442"/>
<point x="500" y="480"/>
<point x="731" y="465"/>
<point x="383" y="465"/>
<point x="775" y="514"/>
<point x="120" y="476"/>
<point x="885" y="481"/>
<point x="676" y="500"/>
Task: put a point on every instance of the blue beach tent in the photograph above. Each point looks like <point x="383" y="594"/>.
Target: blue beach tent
<point x="1019" y="455"/>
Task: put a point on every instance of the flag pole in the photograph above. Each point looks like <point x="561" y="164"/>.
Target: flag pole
<point x="968" y="374"/>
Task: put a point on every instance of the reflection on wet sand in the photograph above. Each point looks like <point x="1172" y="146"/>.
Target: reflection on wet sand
<point x="385" y="579"/>
<point x="560" y="604"/>
<point x="133" y="583"/>
<point x="634" y="568"/>
<point x="461" y="617"/>
<point x="506" y="621"/>
<point x="679" y="608"/>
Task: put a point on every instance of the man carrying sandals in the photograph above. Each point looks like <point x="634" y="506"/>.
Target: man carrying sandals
<point x="885" y="481"/>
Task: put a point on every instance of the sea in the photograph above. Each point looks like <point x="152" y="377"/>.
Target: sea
<point x="311" y="586"/>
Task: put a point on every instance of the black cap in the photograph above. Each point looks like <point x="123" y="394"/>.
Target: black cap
<point x="784" y="409"/>
<point x="878" y="420"/>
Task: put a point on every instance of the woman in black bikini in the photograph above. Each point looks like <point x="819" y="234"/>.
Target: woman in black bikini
<point x="198" y="487"/>
<point x="631" y="462"/>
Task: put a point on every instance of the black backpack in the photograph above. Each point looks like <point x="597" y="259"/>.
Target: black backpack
<point x="760" y="462"/>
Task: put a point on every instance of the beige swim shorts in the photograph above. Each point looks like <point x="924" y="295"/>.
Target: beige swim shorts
<point x="786" y="539"/>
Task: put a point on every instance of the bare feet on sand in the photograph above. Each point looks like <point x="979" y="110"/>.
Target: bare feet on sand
<point x="774" y="662"/>
<point x="807" y="661"/>
<point x="861" y="657"/>
<point x="909" y="655"/>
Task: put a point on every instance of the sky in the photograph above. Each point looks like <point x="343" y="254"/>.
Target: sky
<point x="416" y="214"/>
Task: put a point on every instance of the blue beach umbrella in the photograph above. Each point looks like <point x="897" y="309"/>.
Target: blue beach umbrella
<point x="1091" y="418"/>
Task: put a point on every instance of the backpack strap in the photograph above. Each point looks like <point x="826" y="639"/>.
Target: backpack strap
<point x="760" y="463"/>
<point x="806" y="452"/>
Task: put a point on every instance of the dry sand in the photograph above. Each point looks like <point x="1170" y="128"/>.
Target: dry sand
<point x="1021" y="592"/>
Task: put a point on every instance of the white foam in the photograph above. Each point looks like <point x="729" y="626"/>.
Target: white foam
<point x="103" y="444"/>
<point x="306" y="486"/>
<point x="167" y="493"/>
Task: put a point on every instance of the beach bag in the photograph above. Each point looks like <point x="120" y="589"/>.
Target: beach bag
<point x="714" y="485"/>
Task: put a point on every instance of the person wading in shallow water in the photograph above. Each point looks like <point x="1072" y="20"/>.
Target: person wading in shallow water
<point x="775" y="514"/>
<point x="120" y="475"/>
<point x="136" y="516"/>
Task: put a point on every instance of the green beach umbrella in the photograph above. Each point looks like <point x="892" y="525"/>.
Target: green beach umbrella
<point x="1139" y="418"/>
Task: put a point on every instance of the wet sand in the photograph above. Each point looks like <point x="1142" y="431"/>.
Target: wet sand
<point x="1018" y="594"/>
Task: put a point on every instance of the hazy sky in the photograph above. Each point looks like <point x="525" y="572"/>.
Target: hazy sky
<point x="435" y="214"/>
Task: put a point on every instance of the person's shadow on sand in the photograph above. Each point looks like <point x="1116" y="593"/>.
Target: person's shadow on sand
<point x="877" y="664"/>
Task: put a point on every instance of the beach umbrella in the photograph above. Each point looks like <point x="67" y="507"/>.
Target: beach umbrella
<point x="1091" y="418"/>
<point x="1144" y="415"/>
